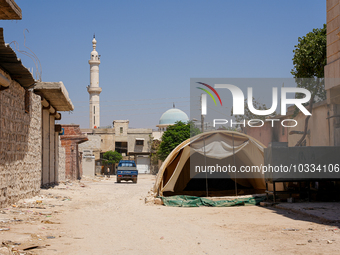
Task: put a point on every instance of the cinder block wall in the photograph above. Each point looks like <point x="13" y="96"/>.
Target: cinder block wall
<point x="20" y="144"/>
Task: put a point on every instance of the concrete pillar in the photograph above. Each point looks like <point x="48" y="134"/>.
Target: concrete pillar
<point x="56" y="157"/>
<point x="51" y="149"/>
<point x="45" y="146"/>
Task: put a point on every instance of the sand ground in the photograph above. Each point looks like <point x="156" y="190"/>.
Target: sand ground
<point x="104" y="217"/>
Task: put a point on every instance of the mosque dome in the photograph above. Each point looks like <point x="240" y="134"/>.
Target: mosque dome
<point x="173" y="115"/>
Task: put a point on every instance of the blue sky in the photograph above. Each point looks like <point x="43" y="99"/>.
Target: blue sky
<point x="150" y="49"/>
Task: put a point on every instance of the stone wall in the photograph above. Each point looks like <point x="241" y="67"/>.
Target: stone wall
<point x="20" y="144"/>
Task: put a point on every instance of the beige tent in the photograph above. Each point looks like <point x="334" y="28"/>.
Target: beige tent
<point x="225" y="147"/>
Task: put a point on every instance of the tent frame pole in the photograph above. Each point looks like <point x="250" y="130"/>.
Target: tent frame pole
<point x="206" y="175"/>
<point x="235" y="166"/>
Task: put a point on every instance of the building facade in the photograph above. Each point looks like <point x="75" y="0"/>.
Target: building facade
<point x="132" y="143"/>
<point x="70" y="140"/>
<point x="29" y="141"/>
<point x="54" y="98"/>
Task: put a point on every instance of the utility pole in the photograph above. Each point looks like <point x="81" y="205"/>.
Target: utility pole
<point x="203" y="109"/>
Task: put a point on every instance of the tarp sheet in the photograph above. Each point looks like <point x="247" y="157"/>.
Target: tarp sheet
<point x="192" y="201"/>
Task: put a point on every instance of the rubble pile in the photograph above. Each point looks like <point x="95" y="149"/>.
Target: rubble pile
<point x="41" y="213"/>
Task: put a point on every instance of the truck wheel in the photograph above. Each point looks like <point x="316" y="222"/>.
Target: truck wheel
<point x="134" y="180"/>
<point x="118" y="180"/>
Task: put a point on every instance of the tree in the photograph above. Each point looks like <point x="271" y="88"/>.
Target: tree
<point x="248" y="115"/>
<point x="154" y="148"/>
<point x="175" y="134"/>
<point x="112" y="157"/>
<point x="309" y="61"/>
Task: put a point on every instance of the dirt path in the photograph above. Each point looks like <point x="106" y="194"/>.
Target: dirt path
<point x="105" y="217"/>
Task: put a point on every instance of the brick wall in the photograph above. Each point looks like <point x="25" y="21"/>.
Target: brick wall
<point x="70" y="140"/>
<point x="20" y="144"/>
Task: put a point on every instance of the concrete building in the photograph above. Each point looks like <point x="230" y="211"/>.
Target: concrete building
<point x="267" y="134"/>
<point x="324" y="124"/>
<point x="94" y="89"/>
<point x="54" y="98"/>
<point x="132" y="143"/>
<point x="318" y="132"/>
<point x="332" y="72"/>
<point x="20" y="129"/>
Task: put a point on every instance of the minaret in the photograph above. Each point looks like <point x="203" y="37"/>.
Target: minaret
<point x="94" y="89"/>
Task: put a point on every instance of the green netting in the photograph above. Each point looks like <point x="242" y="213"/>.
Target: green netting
<point x="192" y="201"/>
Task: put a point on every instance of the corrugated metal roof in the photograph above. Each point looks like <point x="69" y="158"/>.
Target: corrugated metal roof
<point x="10" y="63"/>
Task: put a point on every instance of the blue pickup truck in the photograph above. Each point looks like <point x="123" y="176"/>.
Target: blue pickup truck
<point x="127" y="171"/>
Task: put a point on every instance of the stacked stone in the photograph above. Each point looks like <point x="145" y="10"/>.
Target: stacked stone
<point x="20" y="144"/>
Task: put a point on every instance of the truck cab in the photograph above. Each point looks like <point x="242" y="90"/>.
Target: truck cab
<point x="126" y="171"/>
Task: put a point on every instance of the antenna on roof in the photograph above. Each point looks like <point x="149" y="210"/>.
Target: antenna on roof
<point x="94" y="35"/>
<point x="173" y="105"/>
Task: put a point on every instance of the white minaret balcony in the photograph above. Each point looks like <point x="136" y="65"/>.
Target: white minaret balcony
<point x="94" y="90"/>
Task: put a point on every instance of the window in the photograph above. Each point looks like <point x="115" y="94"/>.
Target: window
<point x="121" y="130"/>
<point x="94" y="120"/>
<point x="94" y="110"/>
<point x="139" y="142"/>
<point x="127" y="163"/>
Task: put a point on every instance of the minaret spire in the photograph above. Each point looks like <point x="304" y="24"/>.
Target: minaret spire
<point x="94" y="89"/>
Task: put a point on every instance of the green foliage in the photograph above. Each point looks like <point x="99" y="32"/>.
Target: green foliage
<point x="154" y="148"/>
<point x="193" y="129"/>
<point x="112" y="157"/>
<point x="175" y="135"/>
<point x="309" y="61"/>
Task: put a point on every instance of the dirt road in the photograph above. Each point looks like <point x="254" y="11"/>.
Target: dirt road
<point x="105" y="217"/>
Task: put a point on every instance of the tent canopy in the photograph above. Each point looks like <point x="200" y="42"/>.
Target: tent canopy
<point x="223" y="147"/>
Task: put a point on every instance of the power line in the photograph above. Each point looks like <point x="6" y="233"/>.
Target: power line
<point x="132" y="109"/>
<point x="136" y="104"/>
<point x="124" y="100"/>
<point x="85" y="116"/>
